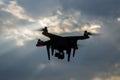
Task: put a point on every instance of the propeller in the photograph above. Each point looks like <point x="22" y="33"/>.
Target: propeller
<point x="91" y="33"/>
<point x="41" y="29"/>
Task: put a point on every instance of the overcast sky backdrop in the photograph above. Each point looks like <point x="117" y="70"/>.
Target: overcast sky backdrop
<point x="97" y="58"/>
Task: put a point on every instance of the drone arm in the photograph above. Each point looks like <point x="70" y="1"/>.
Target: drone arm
<point x="76" y="37"/>
<point x="49" y="35"/>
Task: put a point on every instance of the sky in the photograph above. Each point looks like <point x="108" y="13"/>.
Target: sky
<point x="97" y="58"/>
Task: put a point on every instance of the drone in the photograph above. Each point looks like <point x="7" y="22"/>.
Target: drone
<point x="58" y="46"/>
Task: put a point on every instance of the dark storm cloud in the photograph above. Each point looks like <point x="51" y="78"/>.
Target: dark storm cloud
<point x="105" y="8"/>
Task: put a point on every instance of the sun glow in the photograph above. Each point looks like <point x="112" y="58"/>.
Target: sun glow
<point x="20" y="35"/>
<point x="57" y="23"/>
<point x="91" y="28"/>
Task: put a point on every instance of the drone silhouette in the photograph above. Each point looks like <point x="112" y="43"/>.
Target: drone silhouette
<point x="60" y="45"/>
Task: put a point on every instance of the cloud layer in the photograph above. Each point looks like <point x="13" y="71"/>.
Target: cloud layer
<point x="93" y="8"/>
<point x="57" y="21"/>
<point x="97" y="59"/>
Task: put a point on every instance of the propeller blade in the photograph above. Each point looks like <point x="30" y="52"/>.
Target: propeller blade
<point x="95" y="34"/>
<point x="38" y="30"/>
<point x="41" y="29"/>
<point x="91" y="33"/>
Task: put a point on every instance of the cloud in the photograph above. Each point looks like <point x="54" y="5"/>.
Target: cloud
<point x="62" y="22"/>
<point x="118" y="19"/>
<point x="72" y="79"/>
<point x="40" y="8"/>
<point x="96" y="78"/>
<point x="94" y="8"/>
<point x="20" y="43"/>
<point x="91" y="28"/>
<point x="109" y="78"/>
<point x="20" y="35"/>
<point x="18" y="26"/>
<point x="113" y="78"/>
<point x="112" y="74"/>
<point x="1" y="2"/>
<point x="97" y="60"/>
<point x="17" y="11"/>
